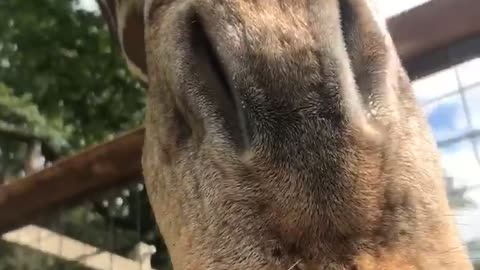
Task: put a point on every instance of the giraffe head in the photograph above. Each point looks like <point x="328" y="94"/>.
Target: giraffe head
<point x="284" y="135"/>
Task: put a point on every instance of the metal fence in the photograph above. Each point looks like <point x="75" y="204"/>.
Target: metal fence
<point x="113" y="231"/>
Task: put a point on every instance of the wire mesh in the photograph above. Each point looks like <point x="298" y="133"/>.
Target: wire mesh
<point x="108" y="232"/>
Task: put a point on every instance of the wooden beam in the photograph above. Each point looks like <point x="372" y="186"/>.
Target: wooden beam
<point x="67" y="181"/>
<point x="69" y="249"/>
<point x="418" y="32"/>
<point x="433" y="25"/>
<point x="443" y="58"/>
<point x="425" y="35"/>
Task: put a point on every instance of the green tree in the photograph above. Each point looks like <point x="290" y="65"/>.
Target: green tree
<point x="63" y="86"/>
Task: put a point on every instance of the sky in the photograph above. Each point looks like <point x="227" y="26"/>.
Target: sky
<point x="447" y="117"/>
<point x="90" y="5"/>
<point x="387" y="7"/>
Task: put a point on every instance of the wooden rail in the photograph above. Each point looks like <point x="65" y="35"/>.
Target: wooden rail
<point x="434" y="25"/>
<point x="427" y="36"/>
<point x="91" y="171"/>
<point x="419" y="32"/>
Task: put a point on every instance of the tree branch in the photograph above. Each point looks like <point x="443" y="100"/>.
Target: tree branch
<point x="12" y="132"/>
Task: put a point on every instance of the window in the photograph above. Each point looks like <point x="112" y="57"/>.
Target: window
<point x="469" y="72"/>
<point x="392" y="8"/>
<point x="447" y="117"/>
<point x="451" y="102"/>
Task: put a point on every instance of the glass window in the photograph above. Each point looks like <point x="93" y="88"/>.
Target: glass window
<point x="435" y="85"/>
<point x="391" y="8"/>
<point x="462" y="172"/>
<point x="468" y="224"/>
<point x="459" y="161"/>
<point x="469" y="72"/>
<point x="472" y="97"/>
<point x="447" y="117"/>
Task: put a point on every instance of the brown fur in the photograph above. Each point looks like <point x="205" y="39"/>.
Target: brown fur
<point x="299" y="146"/>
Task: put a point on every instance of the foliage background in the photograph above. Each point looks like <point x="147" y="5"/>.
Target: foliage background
<point x="63" y="87"/>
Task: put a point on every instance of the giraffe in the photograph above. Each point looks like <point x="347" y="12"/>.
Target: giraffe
<point x="284" y="134"/>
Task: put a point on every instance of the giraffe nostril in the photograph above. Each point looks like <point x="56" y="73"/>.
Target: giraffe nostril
<point x="215" y="83"/>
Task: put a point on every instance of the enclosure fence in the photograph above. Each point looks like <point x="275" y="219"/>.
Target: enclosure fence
<point x="114" y="230"/>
